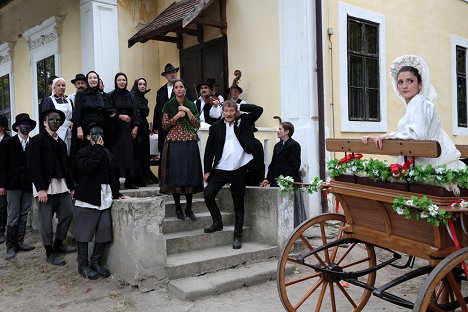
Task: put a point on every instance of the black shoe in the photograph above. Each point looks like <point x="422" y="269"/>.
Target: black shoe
<point x="24" y="247"/>
<point x="190" y="215"/>
<point x="87" y="272"/>
<point x="64" y="249"/>
<point x="216" y="226"/>
<point x="54" y="259"/>
<point x="236" y="243"/>
<point x="101" y="270"/>
<point x="2" y="238"/>
<point x="180" y="215"/>
<point x="10" y="253"/>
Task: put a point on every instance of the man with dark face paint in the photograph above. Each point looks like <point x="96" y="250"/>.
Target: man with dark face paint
<point x="15" y="182"/>
<point x="52" y="184"/>
<point x="92" y="217"/>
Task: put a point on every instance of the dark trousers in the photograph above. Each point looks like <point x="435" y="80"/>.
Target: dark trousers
<point x="62" y="206"/>
<point x="216" y="180"/>
<point x="19" y="205"/>
<point x="3" y="214"/>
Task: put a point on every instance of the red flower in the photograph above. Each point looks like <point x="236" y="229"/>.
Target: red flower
<point x="348" y="158"/>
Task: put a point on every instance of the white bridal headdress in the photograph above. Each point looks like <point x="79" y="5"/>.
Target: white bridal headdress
<point x="417" y="62"/>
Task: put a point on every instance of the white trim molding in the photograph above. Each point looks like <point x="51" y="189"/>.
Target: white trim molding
<point x="43" y="41"/>
<point x="345" y="10"/>
<point x="6" y="68"/>
<point x="457" y="41"/>
<point x="100" y="38"/>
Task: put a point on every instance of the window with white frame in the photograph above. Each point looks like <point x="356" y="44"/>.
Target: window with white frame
<point x="44" y="55"/>
<point x="6" y="81"/>
<point x="362" y="70"/>
<point x="459" y="86"/>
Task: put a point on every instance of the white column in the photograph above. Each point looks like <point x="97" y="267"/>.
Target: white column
<point x="100" y="39"/>
<point x="298" y="59"/>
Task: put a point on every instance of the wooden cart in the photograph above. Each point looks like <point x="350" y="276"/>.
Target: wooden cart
<point x="330" y="264"/>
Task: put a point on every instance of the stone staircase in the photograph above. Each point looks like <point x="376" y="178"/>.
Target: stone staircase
<point x="200" y="264"/>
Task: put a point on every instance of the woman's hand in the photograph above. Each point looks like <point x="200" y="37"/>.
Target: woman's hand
<point x="125" y="118"/>
<point x="264" y="183"/>
<point x="180" y="114"/>
<point x="183" y="109"/>
<point x="378" y="140"/>
<point x="79" y="133"/>
<point x="134" y="132"/>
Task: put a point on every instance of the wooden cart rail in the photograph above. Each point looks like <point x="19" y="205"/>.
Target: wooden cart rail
<point x="414" y="148"/>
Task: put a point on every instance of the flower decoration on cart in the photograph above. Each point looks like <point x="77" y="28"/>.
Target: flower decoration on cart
<point x="421" y="208"/>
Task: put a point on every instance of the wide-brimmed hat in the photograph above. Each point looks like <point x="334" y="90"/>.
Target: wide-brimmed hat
<point x="79" y="77"/>
<point x="23" y="117"/>
<point x="4" y="122"/>
<point x="237" y="87"/>
<point x="91" y="126"/>
<point x="205" y="83"/>
<point x="168" y="68"/>
<point x="52" y="110"/>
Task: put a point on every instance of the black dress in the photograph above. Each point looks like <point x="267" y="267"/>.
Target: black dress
<point x="119" y="134"/>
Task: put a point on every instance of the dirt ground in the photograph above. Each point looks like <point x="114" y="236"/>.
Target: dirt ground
<point x="29" y="283"/>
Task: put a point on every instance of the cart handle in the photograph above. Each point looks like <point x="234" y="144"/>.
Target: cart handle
<point x="413" y="148"/>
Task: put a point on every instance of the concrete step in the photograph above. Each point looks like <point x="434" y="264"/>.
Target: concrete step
<point x="181" y="242"/>
<point x="198" y="262"/>
<point x="192" y="288"/>
<point x="172" y="224"/>
<point x="198" y="206"/>
<point x="146" y="191"/>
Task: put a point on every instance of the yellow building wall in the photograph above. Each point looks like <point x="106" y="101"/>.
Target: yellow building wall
<point x="253" y="48"/>
<point x="421" y="27"/>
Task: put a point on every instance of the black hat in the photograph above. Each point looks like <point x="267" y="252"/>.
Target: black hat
<point x="169" y="68"/>
<point x="205" y="83"/>
<point x="91" y="126"/>
<point x="4" y="122"/>
<point x="50" y="80"/>
<point x="79" y="77"/>
<point x="23" y="117"/>
<point x="237" y="87"/>
<point x="52" y="110"/>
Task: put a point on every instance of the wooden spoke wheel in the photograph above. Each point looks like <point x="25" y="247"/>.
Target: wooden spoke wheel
<point x="446" y="287"/>
<point x="302" y="288"/>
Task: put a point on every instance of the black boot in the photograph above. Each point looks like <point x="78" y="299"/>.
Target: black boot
<point x="52" y="257"/>
<point x="188" y="208"/>
<point x="11" y="232"/>
<point x="216" y="226"/>
<point x="178" y="207"/>
<point x="20" y="245"/>
<point x="83" y="265"/>
<point x="59" y="247"/>
<point x="237" y="241"/>
<point x="130" y="184"/>
<point x="96" y="260"/>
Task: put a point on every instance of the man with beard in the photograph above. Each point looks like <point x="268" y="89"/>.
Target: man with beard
<point x="80" y="85"/>
<point x="52" y="184"/>
<point x="208" y="104"/>
<point x="15" y="183"/>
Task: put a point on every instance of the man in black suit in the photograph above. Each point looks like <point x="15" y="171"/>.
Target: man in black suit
<point x="229" y="148"/>
<point x="3" y="201"/>
<point x="15" y="183"/>
<point x="286" y="158"/>
<point x="53" y="186"/>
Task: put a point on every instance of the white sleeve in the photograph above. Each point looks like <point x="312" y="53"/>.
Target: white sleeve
<point x="215" y="112"/>
<point x="414" y="125"/>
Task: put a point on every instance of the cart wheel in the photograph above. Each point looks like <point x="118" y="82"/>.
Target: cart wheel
<point x="301" y="288"/>
<point x="445" y="288"/>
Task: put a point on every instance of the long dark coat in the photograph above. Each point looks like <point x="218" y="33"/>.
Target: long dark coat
<point x="286" y="161"/>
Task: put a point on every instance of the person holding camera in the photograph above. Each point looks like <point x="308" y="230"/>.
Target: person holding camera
<point x="92" y="215"/>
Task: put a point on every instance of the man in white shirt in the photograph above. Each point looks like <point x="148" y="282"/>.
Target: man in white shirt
<point x="230" y="146"/>
<point x="208" y="104"/>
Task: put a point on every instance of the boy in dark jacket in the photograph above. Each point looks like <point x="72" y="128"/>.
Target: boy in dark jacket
<point x="98" y="186"/>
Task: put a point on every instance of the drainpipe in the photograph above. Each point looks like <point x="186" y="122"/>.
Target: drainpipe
<point x="320" y="98"/>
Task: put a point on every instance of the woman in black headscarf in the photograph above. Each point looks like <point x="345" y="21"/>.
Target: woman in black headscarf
<point x="139" y="90"/>
<point x="123" y="130"/>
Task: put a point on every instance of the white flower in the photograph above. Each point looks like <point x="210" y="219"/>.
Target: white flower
<point x="438" y="178"/>
<point x="353" y="168"/>
<point x="433" y="210"/>
<point x="411" y="173"/>
<point x="423" y="215"/>
<point x="409" y="202"/>
<point x="376" y="172"/>
<point x="464" y="203"/>
<point x="365" y="163"/>
<point x="399" y="210"/>
<point x="440" y="170"/>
